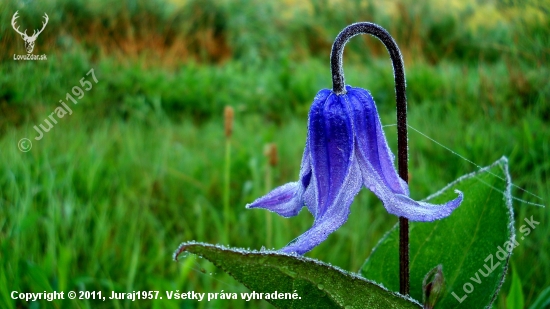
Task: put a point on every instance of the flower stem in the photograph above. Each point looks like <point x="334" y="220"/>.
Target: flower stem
<point x="268" y="224"/>
<point x="228" y="115"/>
<point x="226" y="189"/>
<point x="338" y="87"/>
<point x="404" y="256"/>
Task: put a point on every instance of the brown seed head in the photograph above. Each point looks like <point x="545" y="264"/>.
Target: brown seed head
<point x="270" y="151"/>
<point x="228" y="114"/>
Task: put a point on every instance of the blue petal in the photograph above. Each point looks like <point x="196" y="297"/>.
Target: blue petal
<point x="336" y="215"/>
<point x="284" y="200"/>
<point x="306" y="171"/>
<point x="305" y="181"/>
<point x="376" y="163"/>
<point x="336" y="177"/>
<point x="287" y="200"/>
<point x="421" y="211"/>
<point x="371" y="141"/>
<point x="330" y="142"/>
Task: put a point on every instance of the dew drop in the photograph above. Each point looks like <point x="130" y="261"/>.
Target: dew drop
<point x="320" y="286"/>
<point x="289" y="272"/>
<point x="262" y="259"/>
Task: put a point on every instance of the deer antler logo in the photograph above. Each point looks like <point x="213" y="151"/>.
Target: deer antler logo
<point x="29" y="40"/>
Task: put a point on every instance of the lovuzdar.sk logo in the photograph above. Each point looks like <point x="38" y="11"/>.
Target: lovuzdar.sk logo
<point x="29" y="40"/>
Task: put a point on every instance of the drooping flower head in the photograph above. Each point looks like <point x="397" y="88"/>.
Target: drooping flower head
<point x="345" y="150"/>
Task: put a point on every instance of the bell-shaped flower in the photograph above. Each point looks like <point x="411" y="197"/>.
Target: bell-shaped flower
<point x="345" y="149"/>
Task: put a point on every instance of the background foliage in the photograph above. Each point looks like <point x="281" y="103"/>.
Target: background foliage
<point x="101" y="202"/>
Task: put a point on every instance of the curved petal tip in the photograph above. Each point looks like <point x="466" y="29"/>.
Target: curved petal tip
<point x="285" y="200"/>
<point x="404" y="206"/>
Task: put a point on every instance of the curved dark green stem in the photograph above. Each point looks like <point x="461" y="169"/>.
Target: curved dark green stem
<point x="338" y="86"/>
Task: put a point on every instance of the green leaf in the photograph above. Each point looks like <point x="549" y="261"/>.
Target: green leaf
<point x="466" y="243"/>
<point x="543" y="300"/>
<point x="515" y="296"/>
<point x="316" y="284"/>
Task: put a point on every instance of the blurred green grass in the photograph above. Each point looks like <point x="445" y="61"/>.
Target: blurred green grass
<point x="101" y="202"/>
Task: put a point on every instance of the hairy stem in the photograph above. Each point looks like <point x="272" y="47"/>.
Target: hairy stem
<point x="338" y="86"/>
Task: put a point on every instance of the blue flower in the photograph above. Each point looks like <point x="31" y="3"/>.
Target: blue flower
<point x="345" y="149"/>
